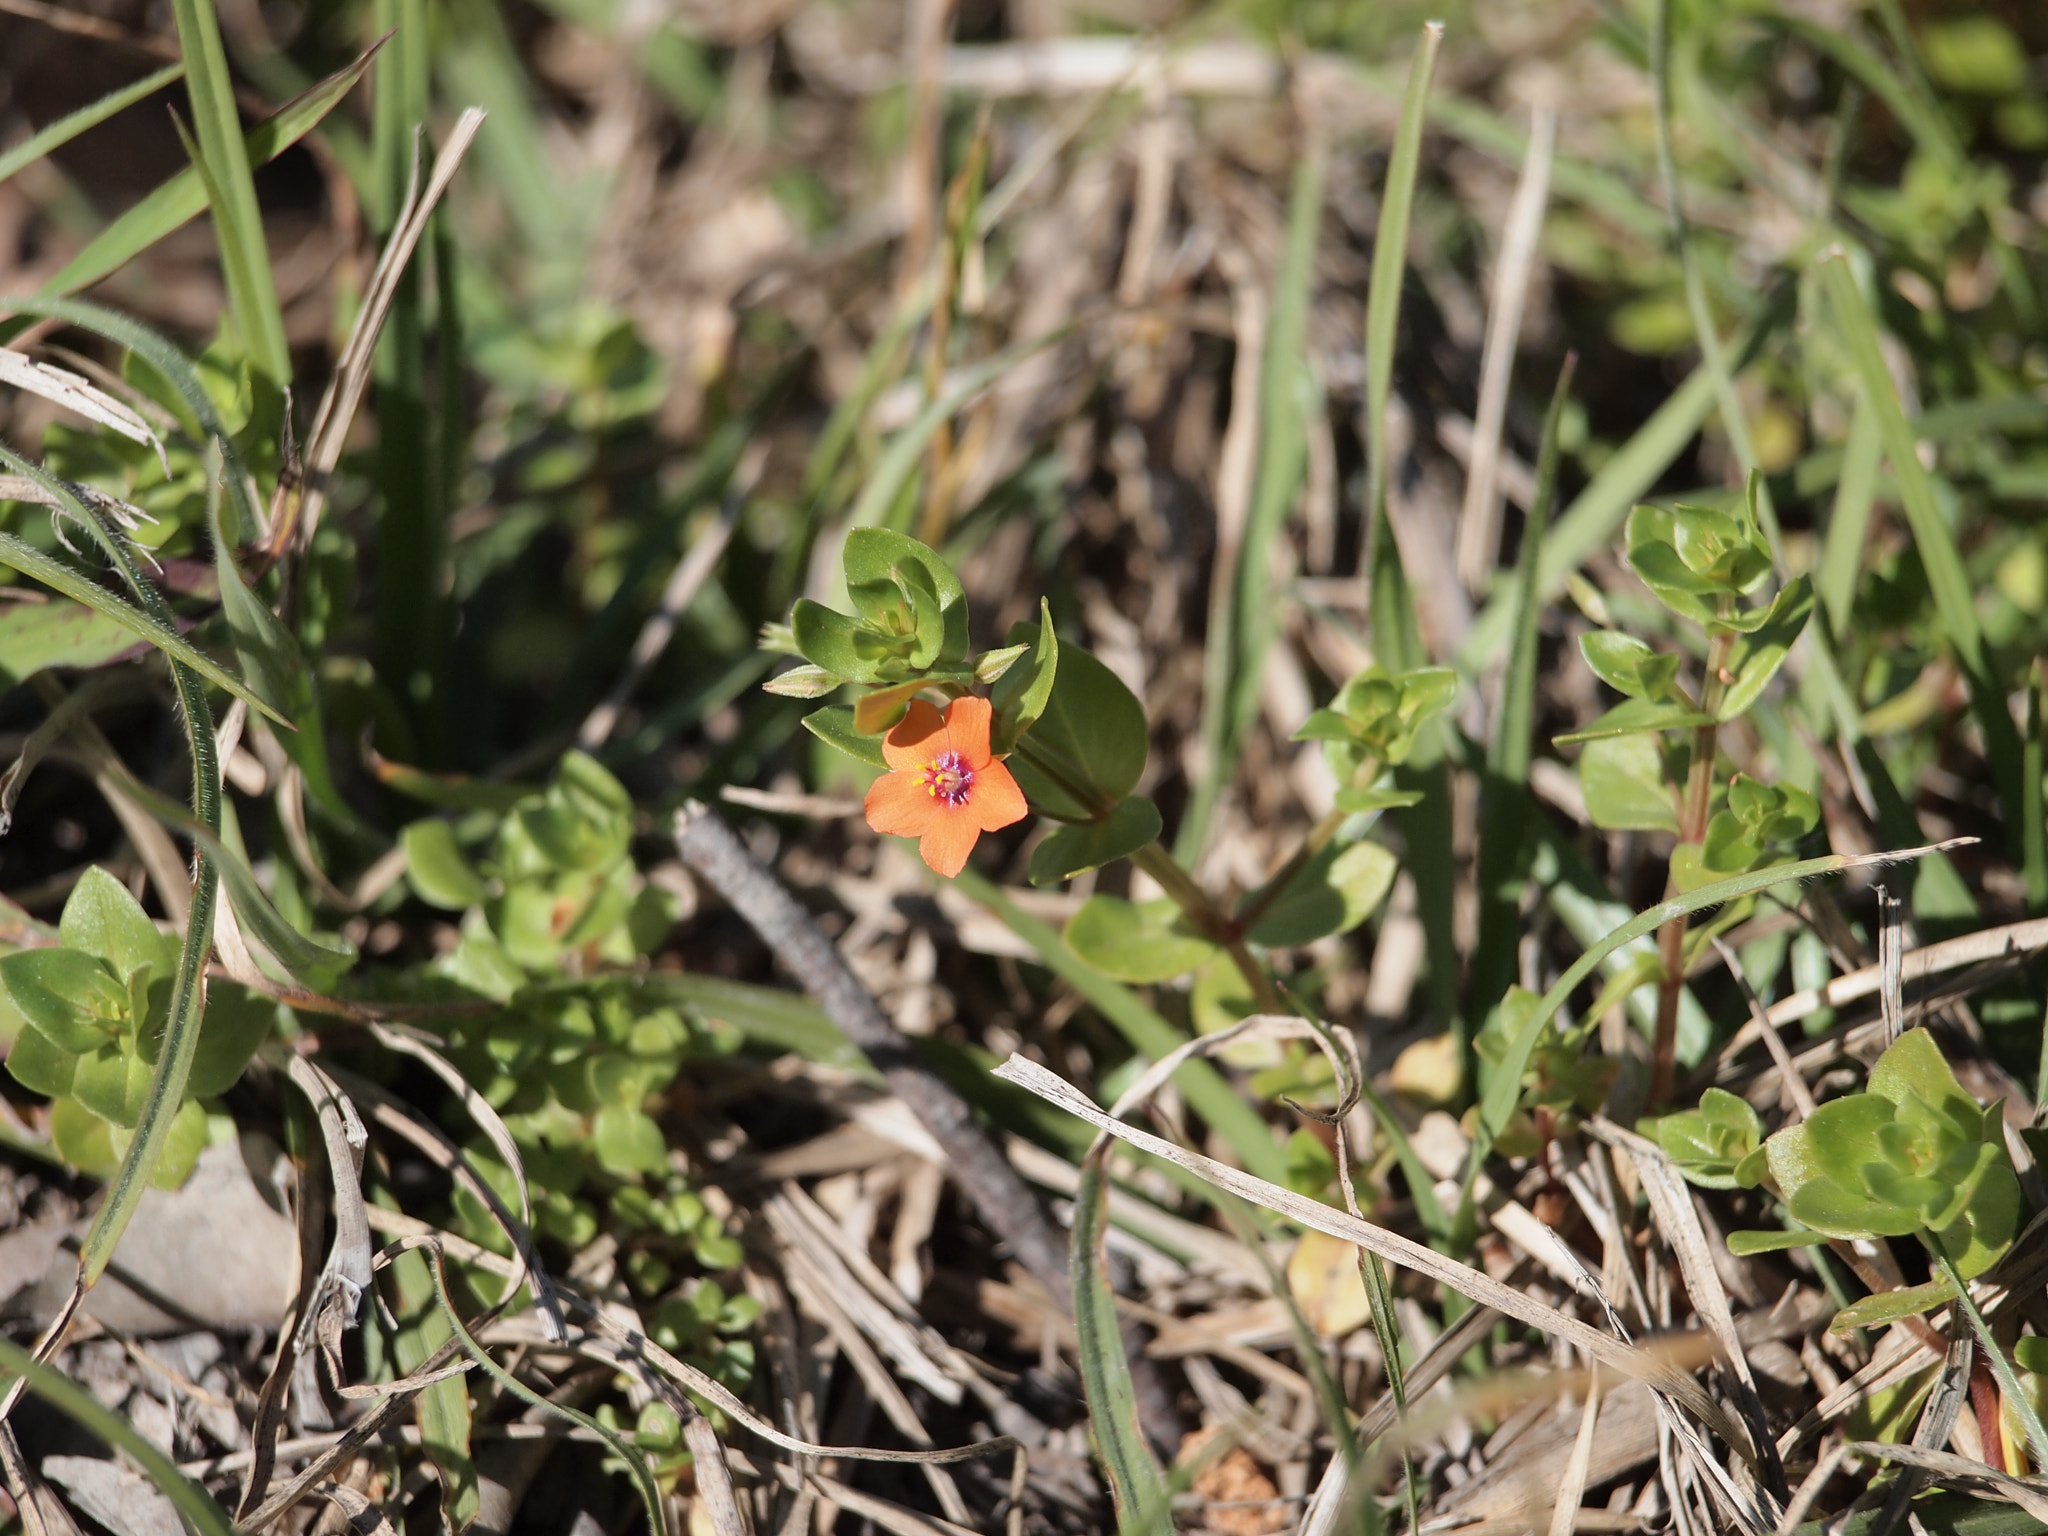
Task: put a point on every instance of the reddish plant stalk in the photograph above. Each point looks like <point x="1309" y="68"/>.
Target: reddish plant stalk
<point x="1692" y="828"/>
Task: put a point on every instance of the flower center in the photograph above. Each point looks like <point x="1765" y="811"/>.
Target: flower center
<point x="947" y="777"/>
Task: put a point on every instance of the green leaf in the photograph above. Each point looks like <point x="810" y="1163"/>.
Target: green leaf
<point x="1359" y="802"/>
<point x="928" y="618"/>
<point x="1623" y="781"/>
<point x="835" y="642"/>
<point x="439" y="871"/>
<point x="1635" y="717"/>
<point x="806" y="682"/>
<point x="1746" y="1244"/>
<point x="880" y="555"/>
<point x="990" y="666"/>
<point x="1022" y="692"/>
<point x="1076" y="849"/>
<point x="1912" y="1067"/>
<point x="834" y="725"/>
<point x="237" y="1021"/>
<point x="82" y="1138"/>
<point x="59" y="633"/>
<point x="627" y="1142"/>
<point x="102" y="919"/>
<point x="1334" y="892"/>
<point x="113" y="1082"/>
<point x="1616" y="659"/>
<point x="31" y="561"/>
<point x="1087" y="751"/>
<point x="65" y="995"/>
<point x="1891" y="1306"/>
<point x="1136" y="941"/>
<point x="584" y="818"/>
<point x="40" y="1065"/>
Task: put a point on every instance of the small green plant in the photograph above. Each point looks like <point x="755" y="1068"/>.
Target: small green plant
<point x="1650" y="762"/>
<point x="555" y="881"/>
<point x="1912" y="1156"/>
<point x="91" y="1013"/>
<point x="1563" y="1082"/>
<point x="1717" y="1146"/>
<point x="573" y="1057"/>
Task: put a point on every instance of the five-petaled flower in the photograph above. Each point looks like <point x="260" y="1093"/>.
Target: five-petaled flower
<point x="943" y="788"/>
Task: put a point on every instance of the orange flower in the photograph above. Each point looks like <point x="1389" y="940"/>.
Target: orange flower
<point x="942" y="787"/>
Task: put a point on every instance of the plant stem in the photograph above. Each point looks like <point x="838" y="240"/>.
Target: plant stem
<point x="1692" y="828"/>
<point x="1319" y="835"/>
<point x="2008" y="1379"/>
<point x="1211" y="921"/>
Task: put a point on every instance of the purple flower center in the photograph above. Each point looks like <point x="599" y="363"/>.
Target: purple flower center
<point x="948" y="778"/>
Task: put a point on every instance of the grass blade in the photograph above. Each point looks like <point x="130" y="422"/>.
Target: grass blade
<point x="70" y="126"/>
<point x="60" y="577"/>
<point x="412" y="518"/>
<point x="1383" y="300"/>
<point x="1842" y="554"/>
<point x="1505" y="786"/>
<point x="180" y="1041"/>
<point x="1137" y="1484"/>
<point x="79" y="1405"/>
<point x="1241" y="605"/>
<point x="237" y="221"/>
<point x="183" y="197"/>
<point x="1946" y="578"/>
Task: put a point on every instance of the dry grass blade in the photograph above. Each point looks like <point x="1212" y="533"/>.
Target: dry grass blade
<point x="338" y="1294"/>
<point x="1672" y="1208"/>
<point x="438" y="1148"/>
<point x="1656" y="1368"/>
<point x="1479" y="522"/>
<point x="36" y="1504"/>
<point x="364" y="1516"/>
<point x="684" y="582"/>
<point x="352" y="369"/>
<point x="1571" y="1489"/>
<point x="1959" y="1472"/>
<point x="715" y="1494"/>
<point x="1809" y="1490"/>
<point x="81" y="397"/>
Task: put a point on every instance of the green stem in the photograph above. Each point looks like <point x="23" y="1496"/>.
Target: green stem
<point x="2008" y="1379"/>
<point x="1210" y="920"/>
<point x="1326" y="827"/>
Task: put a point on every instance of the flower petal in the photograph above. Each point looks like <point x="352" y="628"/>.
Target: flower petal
<point x="900" y="806"/>
<point x="967" y="723"/>
<point x="917" y="738"/>
<point x="948" y="840"/>
<point x="996" y="801"/>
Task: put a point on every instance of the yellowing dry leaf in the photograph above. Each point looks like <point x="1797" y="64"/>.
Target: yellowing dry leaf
<point x="1427" y="1072"/>
<point x="1323" y="1274"/>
